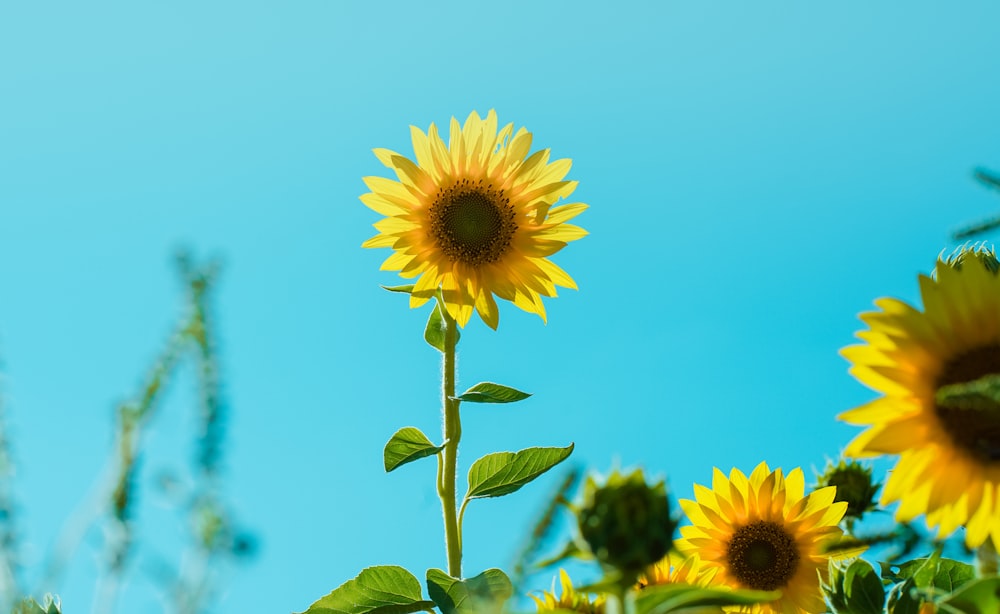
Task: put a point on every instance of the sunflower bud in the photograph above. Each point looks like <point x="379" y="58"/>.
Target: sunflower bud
<point x="986" y="256"/>
<point x="626" y="523"/>
<point x="854" y="485"/>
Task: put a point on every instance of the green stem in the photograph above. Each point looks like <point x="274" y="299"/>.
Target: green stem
<point x="449" y="459"/>
<point x="620" y="599"/>
<point x="987" y="561"/>
<point x="461" y="516"/>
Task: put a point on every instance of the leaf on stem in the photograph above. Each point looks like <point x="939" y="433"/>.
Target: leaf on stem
<point x="482" y="594"/>
<point x="502" y="473"/>
<point x="679" y="597"/>
<point x="385" y="589"/>
<point x="407" y="289"/>
<point x="980" y="596"/>
<point x="407" y="445"/>
<point x="488" y="392"/>
<point x="436" y="327"/>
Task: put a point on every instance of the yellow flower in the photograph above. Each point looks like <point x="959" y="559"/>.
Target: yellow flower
<point x="948" y="445"/>
<point x="569" y="599"/>
<point x="764" y="533"/>
<point x="475" y="218"/>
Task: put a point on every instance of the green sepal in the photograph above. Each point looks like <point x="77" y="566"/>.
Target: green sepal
<point x="486" y="592"/>
<point x="488" y="392"/>
<point x="49" y="605"/>
<point x="676" y="597"/>
<point x="407" y="289"/>
<point x="977" y="597"/>
<point x="385" y="589"/>
<point x="407" y="445"/>
<point x="436" y="327"/>
<point x="502" y="473"/>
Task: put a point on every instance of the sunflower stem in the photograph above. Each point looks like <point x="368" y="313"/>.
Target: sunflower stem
<point x="452" y="428"/>
<point x="622" y="604"/>
<point x="986" y="559"/>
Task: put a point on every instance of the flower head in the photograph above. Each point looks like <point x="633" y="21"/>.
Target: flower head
<point x="626" y="523"/>
<point x="569" y="599"/>
<point x="475" y="219"/>
<point x="939" y="373"/>
<point x="764" y="533"/>
<point x="854" y="484"/>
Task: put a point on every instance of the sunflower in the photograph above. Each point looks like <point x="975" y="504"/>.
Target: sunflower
<point x="569" y="599"/>
<point x="948" y="444"/>
<point x="764" y="533"/>
<point x="475" y="219"/>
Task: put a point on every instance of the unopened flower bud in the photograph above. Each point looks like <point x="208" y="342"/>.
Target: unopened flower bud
<point x="626" y="523"/>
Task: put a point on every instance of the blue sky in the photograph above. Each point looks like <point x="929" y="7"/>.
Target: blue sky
<point x="758" y="173"/>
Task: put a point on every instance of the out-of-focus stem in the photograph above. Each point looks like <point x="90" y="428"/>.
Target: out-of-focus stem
<point x="10" y="586"/>
<point x="987" y="561"/>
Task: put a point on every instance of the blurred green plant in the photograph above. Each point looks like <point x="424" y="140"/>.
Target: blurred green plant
<point x="214" y="537"/>
<point x="990" y="180"/>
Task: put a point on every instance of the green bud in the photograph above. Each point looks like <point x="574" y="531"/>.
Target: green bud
<point x="854" y="485"/>
<point x="626" y="523"/>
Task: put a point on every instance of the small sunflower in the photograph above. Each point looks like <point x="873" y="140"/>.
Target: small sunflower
<point x="764" y="533"/>
<point x="569" y="599"/>
<point x="475" y="219"/>
<point x="948" y="444"/>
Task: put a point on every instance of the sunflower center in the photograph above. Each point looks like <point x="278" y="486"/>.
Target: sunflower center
<point x="472" y="223"/>
<point x="972" y="423"/>
<point x="762" y="556"/>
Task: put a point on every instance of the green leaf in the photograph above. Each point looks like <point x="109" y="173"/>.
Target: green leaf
<point x="407" y="445"/>
<point x="436" y="327"/>
<point x="902" y="599"/>
<point x="488" y="392"/>
<point x="386" y="589"/>
<point x="944" y="574"/>
<point x="484" y="593"/>
<point x="502" y="473"/>
<point x="675" y="597"/>
<point x="863" y="589"/>
<point x="952" y="574"/>
<point x="407" y="289"/>
<point x="977" y="597"/>
<point x="923" y="576"/>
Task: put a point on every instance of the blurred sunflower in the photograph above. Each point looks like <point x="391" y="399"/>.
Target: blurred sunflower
<point x="673" y="569"/>
<point x="939" y="372"/>
<point x="764" y="533"/>
<point x="475" y="219"/>
<point x="569" y="599"/>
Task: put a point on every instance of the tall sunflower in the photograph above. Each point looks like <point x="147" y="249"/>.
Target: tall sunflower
<point x="475" y="219"/>
<point x="764" y="533"/>
<point x="948" y="444"/>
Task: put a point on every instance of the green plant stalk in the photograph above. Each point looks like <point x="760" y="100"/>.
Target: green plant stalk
<point x="452" y="428"/>
<point x="987" y="561"/>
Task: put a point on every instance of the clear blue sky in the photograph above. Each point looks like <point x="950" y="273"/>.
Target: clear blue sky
<point x="758" y="173"/>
